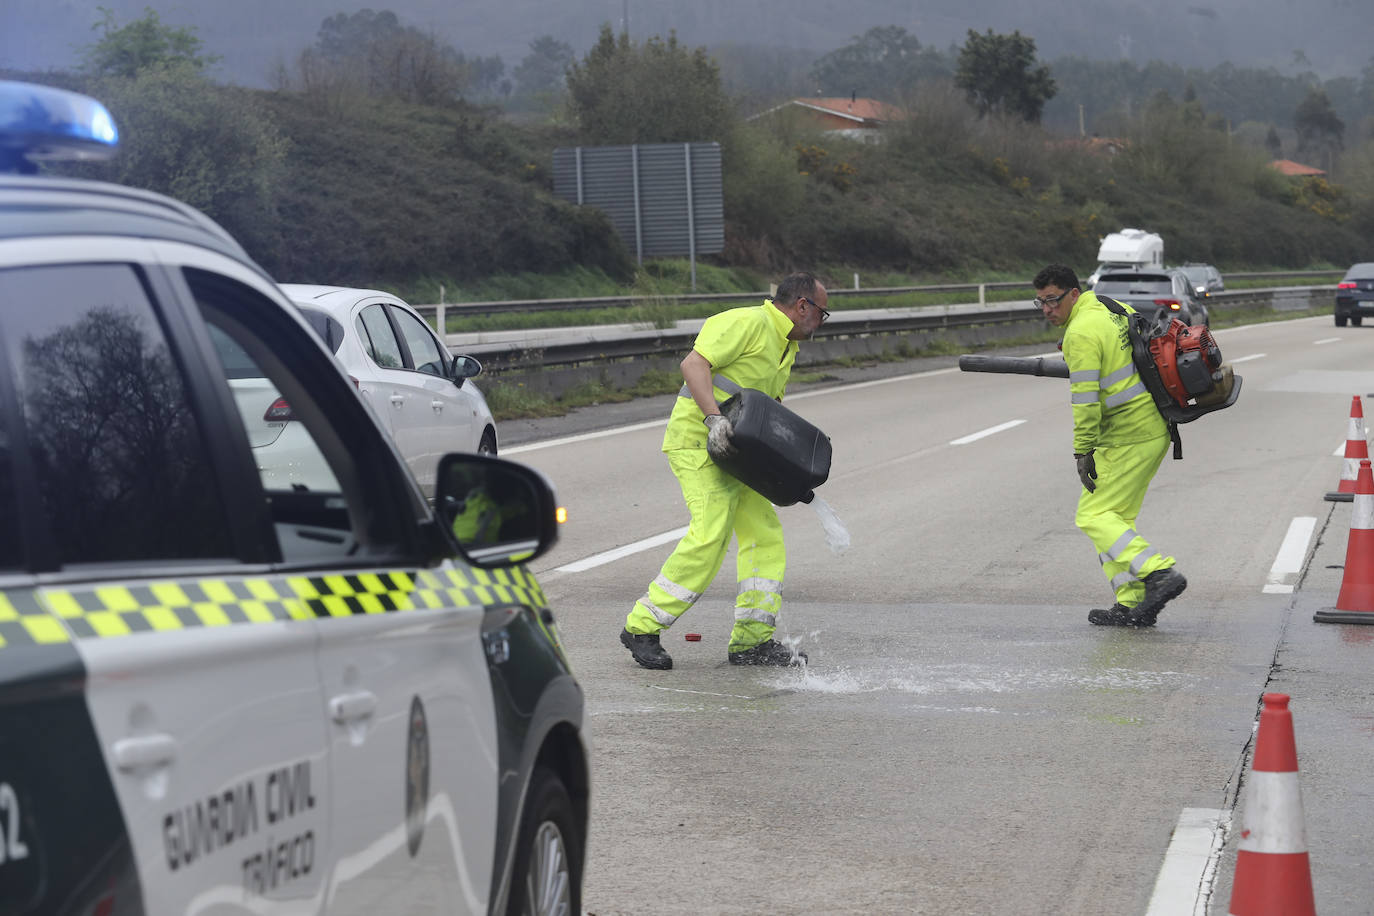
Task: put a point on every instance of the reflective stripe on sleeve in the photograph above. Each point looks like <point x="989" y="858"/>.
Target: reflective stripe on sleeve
<point x="1082" y="397"/>
<point x="1083" y="375"/>
<point x="1121" y="397"/>
<point x="1119" y="375"/>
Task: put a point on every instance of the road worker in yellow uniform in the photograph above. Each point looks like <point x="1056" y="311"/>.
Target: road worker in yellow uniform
<point x="1119" y="440"/>
<point x="751" y="347"/>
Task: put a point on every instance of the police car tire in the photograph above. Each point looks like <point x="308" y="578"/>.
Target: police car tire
<point x="547" y="826"/>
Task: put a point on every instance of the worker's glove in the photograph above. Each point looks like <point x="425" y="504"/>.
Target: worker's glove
<point x="1087" y="470"/>
<point x="718" y="439"/>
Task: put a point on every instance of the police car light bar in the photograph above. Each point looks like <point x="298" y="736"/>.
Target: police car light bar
<point x="43" y="123"/>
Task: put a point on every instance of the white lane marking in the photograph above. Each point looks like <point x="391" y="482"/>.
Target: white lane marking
<point x="610" y="556"/>
<point x="1185" y="879"/>
<point x="992" y="430"/>
<point x="568" y="440"/>
<point x="1248" y="358"/>
<point x="1290" y="556"/>
<point x="880" y="381"/>
<point x="1325" y="340"/>
<point x="1339" y="452"/>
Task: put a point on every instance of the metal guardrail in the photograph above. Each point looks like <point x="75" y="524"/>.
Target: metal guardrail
<point x="509" y="356"/>
<point x="512" y="306"/>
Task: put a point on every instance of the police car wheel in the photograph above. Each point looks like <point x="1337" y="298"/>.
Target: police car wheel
<point x="488" y="444"/>
<point x="548" y="863"/>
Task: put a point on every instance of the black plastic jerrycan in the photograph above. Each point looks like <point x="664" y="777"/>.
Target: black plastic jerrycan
<point x="778" y="454"/>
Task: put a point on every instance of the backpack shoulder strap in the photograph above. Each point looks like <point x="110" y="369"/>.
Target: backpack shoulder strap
<point x="1112" y="305"/>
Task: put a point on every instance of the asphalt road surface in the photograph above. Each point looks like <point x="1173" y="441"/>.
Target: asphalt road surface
<point x="963" y="741"/>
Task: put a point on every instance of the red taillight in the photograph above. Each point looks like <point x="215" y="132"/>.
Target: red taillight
<point x="1171" y="303"/>
<point x="1347" y="286"/>
<point x="279" y="412"/>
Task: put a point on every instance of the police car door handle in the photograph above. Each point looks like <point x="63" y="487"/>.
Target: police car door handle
<point x="437" y="405"/>
<point x="398" y="400"/>
<point x="350" y="707"/>
<point x="144" y="751"/>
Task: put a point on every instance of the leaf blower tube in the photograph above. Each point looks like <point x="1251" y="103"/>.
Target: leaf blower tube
<point x="1015" y="365"/>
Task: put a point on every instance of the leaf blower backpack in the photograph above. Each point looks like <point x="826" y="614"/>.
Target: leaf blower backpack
<point x="1180" y="365"/>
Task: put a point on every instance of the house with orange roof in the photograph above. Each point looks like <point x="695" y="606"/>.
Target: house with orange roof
<point x="853" y="117"/>
<point x="1294" y="169"/>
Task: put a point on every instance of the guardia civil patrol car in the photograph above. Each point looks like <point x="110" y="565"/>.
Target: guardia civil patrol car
<point x="220" y="697"/>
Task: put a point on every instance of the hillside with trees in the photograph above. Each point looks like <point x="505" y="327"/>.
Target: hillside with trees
<point x="375" y="161"/>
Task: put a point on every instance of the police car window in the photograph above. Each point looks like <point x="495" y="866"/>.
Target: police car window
<point x="424" y="349"/>
<point x="381" y="341"/>
<point x="10" y="553"/>
<point x="118" y="463"/>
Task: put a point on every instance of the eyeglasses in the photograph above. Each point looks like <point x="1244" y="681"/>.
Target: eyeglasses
<point x="1046" y="301"/>
<point x="825" y="313"/>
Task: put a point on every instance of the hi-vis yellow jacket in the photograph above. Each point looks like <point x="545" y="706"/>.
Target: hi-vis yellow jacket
<point x="747" y="348"/>
<point x="1110" y="404"/>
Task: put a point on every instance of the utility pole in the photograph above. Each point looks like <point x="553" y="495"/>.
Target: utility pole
<point x="1081" y="131"/>
<point x="625" y="18"/>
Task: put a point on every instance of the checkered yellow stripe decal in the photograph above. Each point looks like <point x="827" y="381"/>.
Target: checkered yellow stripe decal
<point x="56" y="615"/>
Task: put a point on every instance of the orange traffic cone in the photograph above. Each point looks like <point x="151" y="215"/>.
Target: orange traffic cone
<point x="1355" y="603"/>
<point x="1273" y="876"/>
<point x="1356" y="447"/>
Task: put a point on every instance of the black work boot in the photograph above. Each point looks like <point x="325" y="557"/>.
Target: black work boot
<point x="1161" y="587"/>
<point x="646" y="650"/>
<point x="768" y="653"/>
<point x="1118" y="615"/>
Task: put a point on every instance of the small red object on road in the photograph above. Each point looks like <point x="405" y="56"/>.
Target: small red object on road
<point x="693" y="637"/>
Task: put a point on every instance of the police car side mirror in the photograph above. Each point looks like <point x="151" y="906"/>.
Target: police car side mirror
<point x="499" y="512"/>
<point x="464" y="368"/>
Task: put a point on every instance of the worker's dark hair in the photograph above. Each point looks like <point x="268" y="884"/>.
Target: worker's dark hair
<point x="794" y="287"/>
<point x="1056" y="275"/>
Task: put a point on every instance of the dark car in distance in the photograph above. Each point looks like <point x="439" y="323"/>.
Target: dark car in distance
<point x="1205" y="278"/>
<point x="1355" y="294"/>
<point x="1151" y="292"/>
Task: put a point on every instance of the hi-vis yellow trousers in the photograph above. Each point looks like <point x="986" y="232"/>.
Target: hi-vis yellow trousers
<point x="1108" y="515"/>
<point x="721" y="506"/>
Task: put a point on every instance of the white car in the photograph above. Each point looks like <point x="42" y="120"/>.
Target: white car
<point x="421" y="395"/>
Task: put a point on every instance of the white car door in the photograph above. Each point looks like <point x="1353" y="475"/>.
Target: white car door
<point x="412" y="744"/>
<point x="452" y="424"/>
<point x="202" y="687"/>
<point x="395" y="390"/>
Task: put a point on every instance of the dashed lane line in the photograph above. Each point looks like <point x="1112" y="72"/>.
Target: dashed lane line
<point x="1291" y="553"/>
<point x="983" y="433"/>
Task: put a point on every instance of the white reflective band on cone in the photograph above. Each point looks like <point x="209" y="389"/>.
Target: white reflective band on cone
<point x="1273" y="821"/>
<point x="1362" y="515"/>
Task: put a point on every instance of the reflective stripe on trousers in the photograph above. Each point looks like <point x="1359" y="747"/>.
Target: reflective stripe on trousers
<point x="721" y="508"/>
<point x="1108" y="515"/>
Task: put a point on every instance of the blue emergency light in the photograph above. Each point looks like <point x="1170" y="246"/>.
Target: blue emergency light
<point x="43" y="123"/>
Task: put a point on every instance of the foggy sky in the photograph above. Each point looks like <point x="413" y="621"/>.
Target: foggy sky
<point x="1328" y="37"/>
